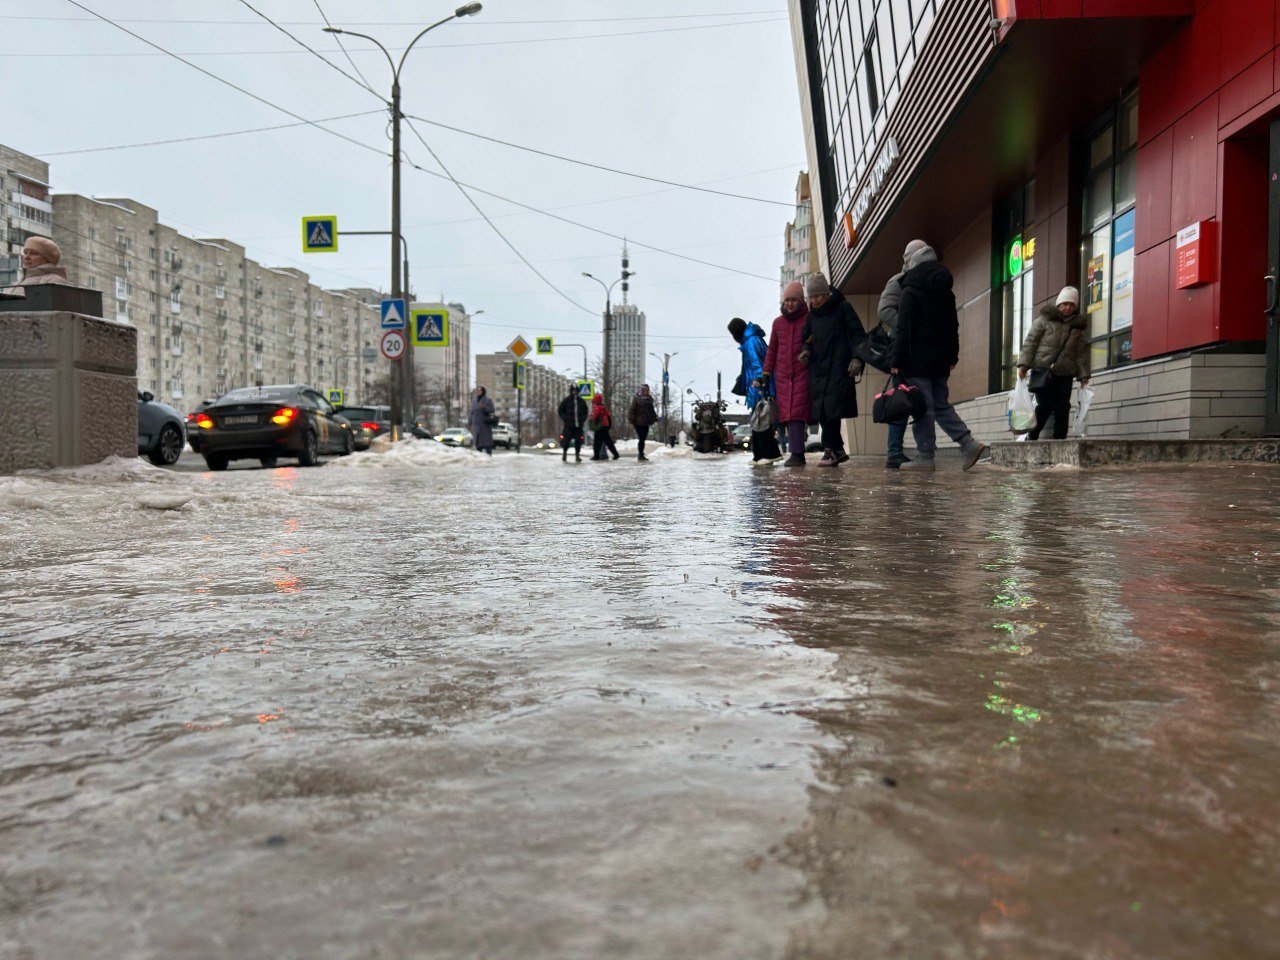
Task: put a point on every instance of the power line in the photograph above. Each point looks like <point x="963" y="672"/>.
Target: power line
<point x="341" y="45"/>
<point x="302" y="43"/>
<point x="408" y="23"/>
<point x="203" y="136"/>
<point x="471" y="200"/>
<point x="431" y="46"/>
<point x="597" y="166"/>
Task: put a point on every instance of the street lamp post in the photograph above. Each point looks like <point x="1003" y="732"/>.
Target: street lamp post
<point x="397" y="289"/>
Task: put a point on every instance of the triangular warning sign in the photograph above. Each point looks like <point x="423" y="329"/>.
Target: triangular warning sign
<point x="393" y="313"/>
<point x="320" y="236"/>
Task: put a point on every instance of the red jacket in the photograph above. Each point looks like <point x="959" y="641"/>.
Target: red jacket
<point x="600" y="413"/>
<point x="790" y="376"/>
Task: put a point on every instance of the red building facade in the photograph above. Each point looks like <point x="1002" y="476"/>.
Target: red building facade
<point x="1123" y="146"/>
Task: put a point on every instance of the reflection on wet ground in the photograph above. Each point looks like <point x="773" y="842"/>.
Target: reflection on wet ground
<point x="688" y="710"/>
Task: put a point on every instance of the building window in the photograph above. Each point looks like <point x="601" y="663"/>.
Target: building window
<point x="1107" y="233"/>
<point x="1015" y="249"/>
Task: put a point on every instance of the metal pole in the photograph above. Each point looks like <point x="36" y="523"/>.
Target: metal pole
<point x="400" y="389"/>
<point x="519" y="405"/>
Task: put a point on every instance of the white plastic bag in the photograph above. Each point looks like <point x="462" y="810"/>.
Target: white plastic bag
<point x="1022" y="408"/>
<point x="1084" y="397"/>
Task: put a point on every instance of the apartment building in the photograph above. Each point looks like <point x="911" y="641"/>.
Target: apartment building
<point x="446" y="371"/>
<point x="544" y="389"/>
<point x="799" y="240"/>
<point x="208" y="317"/>
<point x="25" y="209"/>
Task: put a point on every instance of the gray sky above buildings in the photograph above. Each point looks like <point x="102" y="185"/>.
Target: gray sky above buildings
<point x="654" y="88"/>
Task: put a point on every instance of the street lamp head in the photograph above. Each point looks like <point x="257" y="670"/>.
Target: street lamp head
<point x="467" y="10"/>
<point x="585" y="274"/>
<point x="334" y="30"/>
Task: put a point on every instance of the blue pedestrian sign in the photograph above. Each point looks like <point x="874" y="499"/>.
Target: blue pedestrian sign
<point x="393" y="315"/>
<point x="546" y="345"/>
<point x="319" y="234"/>
<point x="430" y="327"/>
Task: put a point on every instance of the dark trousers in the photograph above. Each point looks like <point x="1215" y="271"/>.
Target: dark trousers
<point x="602" y="441"/>
<point x="764" y="445"/>
<point x="1053" y="401"/>
<point x="571" y="439"/>
<point x="642" y="434"/>
<point x="831" y="439"/>
<point x="797" y="435"/>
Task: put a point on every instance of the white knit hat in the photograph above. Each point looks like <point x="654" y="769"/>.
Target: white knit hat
<point x="1068" y="295"/>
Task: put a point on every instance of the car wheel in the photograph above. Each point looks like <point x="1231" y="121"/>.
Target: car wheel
<point x="347" y="444"/>
<point x="168" y="447"/>
<point x="215" y="461"/>
<point x="267" y="462"/>
<point x="310" y="455"/>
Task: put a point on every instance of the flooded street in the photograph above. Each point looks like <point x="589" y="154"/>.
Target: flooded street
<point x="522" y="710"/>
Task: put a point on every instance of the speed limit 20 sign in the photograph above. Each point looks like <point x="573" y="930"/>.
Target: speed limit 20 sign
<point x="393" y="344"/>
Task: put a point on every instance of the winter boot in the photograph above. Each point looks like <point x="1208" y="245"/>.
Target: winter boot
<point x="643" y="458"/>
<point x="829" y="459"/>
<point x="923" y="463"/>
<point x="896" y="460"/>
<point x="971" y="450"/>
<point x="564" y="457"/>
<point x="841" y="456"/>
<point x="577" y="457"/>
<point x="795" y="460"/>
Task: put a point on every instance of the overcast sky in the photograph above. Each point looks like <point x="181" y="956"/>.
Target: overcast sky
<point x="707" y="100"/>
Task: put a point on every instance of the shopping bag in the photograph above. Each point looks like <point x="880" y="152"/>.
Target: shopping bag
<point x="1084" y="397"/>
<point x="763" y="416"/>
<point x="897" y="401"/>
<point x="1022" y="408"/>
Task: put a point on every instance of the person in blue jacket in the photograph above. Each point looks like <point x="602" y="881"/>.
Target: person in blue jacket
<point x="750" y="337"/>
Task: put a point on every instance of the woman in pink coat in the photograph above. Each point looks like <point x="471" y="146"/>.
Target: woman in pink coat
<point x="790" y="376"/>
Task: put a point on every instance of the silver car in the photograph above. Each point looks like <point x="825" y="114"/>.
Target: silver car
<point x="161" y="435"/>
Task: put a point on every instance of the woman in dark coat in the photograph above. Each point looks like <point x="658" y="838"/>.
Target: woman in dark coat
<point x="478" y="421"/>
<point x="831" y="338"/>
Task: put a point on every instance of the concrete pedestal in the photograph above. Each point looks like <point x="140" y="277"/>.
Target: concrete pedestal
<point x="68" y="390"/>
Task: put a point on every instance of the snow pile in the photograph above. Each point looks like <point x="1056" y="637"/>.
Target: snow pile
<point x="111" y="470"/>
<point x="414" y="453"/>
<point x="19" y="494"/>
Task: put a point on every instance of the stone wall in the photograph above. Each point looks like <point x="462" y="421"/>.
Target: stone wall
<point x="68" y="391"/>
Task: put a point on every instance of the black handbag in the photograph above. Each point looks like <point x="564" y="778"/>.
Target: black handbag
<point x="492" y="420"/>
<point x="1038" y="378"/>
<point x="874" y="349"/>
<point x="897" y="401"/>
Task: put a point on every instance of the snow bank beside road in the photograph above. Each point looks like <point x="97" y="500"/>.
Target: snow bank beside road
<point x="414" y="453"/>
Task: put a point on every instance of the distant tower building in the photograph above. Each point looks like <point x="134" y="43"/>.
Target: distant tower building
<point x="625" y="351"/>
<point x="800" y="243"/>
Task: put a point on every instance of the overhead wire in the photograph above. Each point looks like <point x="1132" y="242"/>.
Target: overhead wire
<point x="341" y="46"/>
<point x="311" y="50"/>
<point x="407" y="23"/>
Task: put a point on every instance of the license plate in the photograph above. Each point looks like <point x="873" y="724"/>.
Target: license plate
<point x="231" y="421"/>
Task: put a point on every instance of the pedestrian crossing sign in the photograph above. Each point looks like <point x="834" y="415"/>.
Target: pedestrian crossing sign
<point x="430" y="327"/>
<point x="335" y="397"/>
<point x="545" y="345"/>
<point x="319" y="234"/>
<point x="586" y="389"/>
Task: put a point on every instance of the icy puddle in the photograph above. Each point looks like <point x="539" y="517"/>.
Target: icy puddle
<point x="428" y="705"/>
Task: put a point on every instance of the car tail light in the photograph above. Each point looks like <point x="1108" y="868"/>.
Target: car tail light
<point x="204" y="421"/>
<point x="370" y="426"/>
<point x="284" y="416"/>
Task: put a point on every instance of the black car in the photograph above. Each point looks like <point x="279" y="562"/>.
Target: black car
<point x="367" y="423"/>
<point x="265" y="423"/>
<point x="160" y="433"/>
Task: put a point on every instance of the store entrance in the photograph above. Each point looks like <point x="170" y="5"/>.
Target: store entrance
<point x="1273" y="286"/>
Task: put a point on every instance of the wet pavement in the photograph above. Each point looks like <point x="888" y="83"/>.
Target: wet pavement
<point x="686" y="709"/>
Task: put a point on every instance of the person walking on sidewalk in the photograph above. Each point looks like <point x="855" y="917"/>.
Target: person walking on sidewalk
<point x="600" y="423"/>
<point x="573" y="417"/>
<point x="831" y="336"/>
<point x="642" y="415"/>
<point x="786" y="375"/>
<point x="751" y="342"/>
<point x="926" y="346"/>
<point x="481" y="421"/>
<point x="887" y="315"/>
<point x="1055" y="351"/>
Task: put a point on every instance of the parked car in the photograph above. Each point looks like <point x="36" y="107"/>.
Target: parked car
<point x="265" y="423"/>
<point x="547" y="443"/>
<point x="742" y="436"/>
<point x="189" y="423"/>
<point x="504" y="435"/>
<point x="160" y="432"/>
<point x="455" y="437"/>
<point x="367" y="423"/>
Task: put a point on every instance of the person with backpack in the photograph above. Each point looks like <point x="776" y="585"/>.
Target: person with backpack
<point x="832" y="337"/>
<point x="642" y="415"/>
<point x="573" y="417"/>
<point x="751" y="342"/>
<point x="600" y="423"/>
<point x="926" y="346"/>
<point x="785" y="376"/>
<point x="1055" y="352"/>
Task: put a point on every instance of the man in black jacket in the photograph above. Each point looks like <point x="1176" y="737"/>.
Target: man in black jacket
<point x="573" y="414"/>
<point x="926" y="346"/>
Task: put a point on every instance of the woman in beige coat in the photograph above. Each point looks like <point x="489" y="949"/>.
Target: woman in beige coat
<point x="1056" y="343"/>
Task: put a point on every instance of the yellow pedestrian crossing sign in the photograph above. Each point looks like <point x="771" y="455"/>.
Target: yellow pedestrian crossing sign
<point x="586" y="389"/>
<point x="546" y="345"/>
<point x="336" y="397"/>
<point x="319" y="234"/>
<point x="429" y="327"/>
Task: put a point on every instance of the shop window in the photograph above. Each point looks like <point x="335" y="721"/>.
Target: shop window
<point x="1107" y="235"/>
<point x="1015" y="273"/>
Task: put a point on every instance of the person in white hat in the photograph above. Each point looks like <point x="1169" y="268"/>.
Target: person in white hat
<point x="1055" y="352"/>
